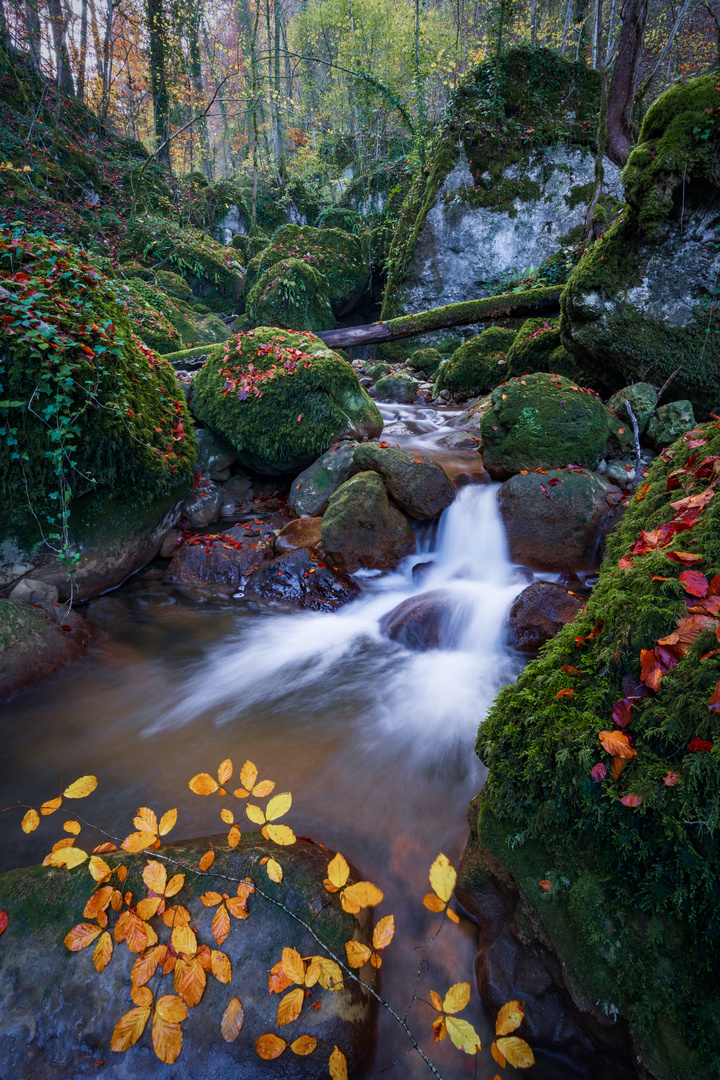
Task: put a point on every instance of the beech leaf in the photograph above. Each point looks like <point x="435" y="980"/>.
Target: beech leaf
<point x="30" y="822"/>
<point x="516" y="1051"/>
<point x="457" y="998"/>
<point x="129" y="1028"/>
<point x="81" y="788"/>
<point x="338" y="1065"/>
<point x="304" y="1045"/>
<point x="443" y="877"/>
<point x="269" y="1047"/>
<point x="510" y="1017"/>
<point x="232" y="1021"/>
<point x="383" y="933"/>
<point x="203" y="784"/>
<point x="463" y="1035"/>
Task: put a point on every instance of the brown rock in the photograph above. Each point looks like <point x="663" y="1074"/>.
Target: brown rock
<point x="302" y="533"/>
<point x="223" y="558"/>
<point x="301" y="579"/>
<point x="538" y="613"/>
<point x="423" y="622"/>
<point x="363" y="528"/>
<point x="36" y="641"/>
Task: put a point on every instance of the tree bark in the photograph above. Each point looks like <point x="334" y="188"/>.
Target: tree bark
<point x="82" y="59"/>
<point x="63" y="70"/>
<point x="158" y="77"/>
<point x="623" y="84"/>
<point x="193" y="36"/>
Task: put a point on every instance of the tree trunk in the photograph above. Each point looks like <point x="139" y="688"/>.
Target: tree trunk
<point x="193" y="33"/>
<point x="158" y="77"/>
<point x="623" y="84"/>
<point x="533" y="22"/>
<point x="63" y="70"/>
<point x="566" y="27"/>
<point x="32" y="29"/>
<point x="82" y="59"/>
<point x="601" y="128"/>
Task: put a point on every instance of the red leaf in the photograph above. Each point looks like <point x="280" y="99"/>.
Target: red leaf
<point x="569" y="669"/>
<point x="626" y="563"/>
<point x="567" y="692"/>
<point x="714" y="702"/>
<point x="598" y="772"/>
<point x="621" y="713"/>
<point x="694" y="583"/>
<point x="686" y="558"/>
<point x="631" y="800"/>
<point x="651" y="670"/>
<point x="671" y="779"/>
<point x="699" y="746"/>
<point x="3" y="920"/>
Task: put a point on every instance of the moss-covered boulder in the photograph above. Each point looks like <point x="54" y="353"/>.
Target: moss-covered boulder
<point x="632" y="908"/>
<point x="477" y="366"/>
<point x="642" y="399"/>
<point x="542" y="421"/>
<point x="363" y="529"/>
<point x="534" y="344"/>
<point x="97" y="447"/>
<point x="312" y="489"/>
<point x="55" y="1007"/>
<point x="399" y="387"/>
<point x="417" y="485"/>
<point x="166" y="323"/>
<point x="669" y="423"/>
<point x="290" y="294"/>
<point x="336" y="255"/>
<point x="425" y="359"/>
<point x="280" y="399"/>
<point x="640" y="304"/>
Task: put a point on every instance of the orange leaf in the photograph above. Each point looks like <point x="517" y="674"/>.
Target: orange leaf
<point x="210" y="899"/>
<point x="338" y="871"/>
<point x="510" y="1017"/>
<point x="103" y="952"/>
<point x="98" y="902"/>
<point x="142" y="996"/>
<point x="338" y="1065"/>
<point x="361" y="894"/>
<point x="145" y="820"/>
<point x="569" y="669"/>
<point x="517" y="1052"/>
<point x="290" y="1006"/>
<point x="227" y="816"/>
<point x="220" y="966"/>
<point x="138" y="841"/>
<point x="184" y="940"/>
<point x="452" y="916"/>
<point x="248" y="775"/>
<point x="304" y="1045"/>
<point x="81" y="936"/>
<point x="617" y="767"/>
<point x="567" y="692"/>
<point x="497" y="1055"/>
<point x="278" y="980"/>
<point x="225" y="771"/>
<point x="144" y="967"/>
<point x="155" y="877"/>
<point x="81" y="788"/>
<point x="189" y="980"/>
<point x="51" y="806"/>
<point x="357" y="953"/>
<point x="167" y="1039"/>
<point x="234" y="837"/>
<point x="545" y="885"/>
<point x="207" y="860"/>
<point x="30" y="822"/>
<point x="167" y="822"/>
<point x="203" y="784"/>
<point x="617" y="744"/>
<point x="293" y="965"/>
<point x="269" y="1047"/>
<point x="98" y="868"/>
<point x="383" y="933"/>
<point x="433" y="902"/>
<point x="129" y="1028"/>
<point x="172" y="1009"/>
<point x="436" y="1000"/>
<point x="174" y="885"/>
<point x="439" y="1029"/>
<point x="631" y="800"/>
<point x="232" y="1021"/>
<point x="671" y="779"/>
<point x="280" y="834"/>
<point x="265" y="787"/>
<point x="457" y="998"/>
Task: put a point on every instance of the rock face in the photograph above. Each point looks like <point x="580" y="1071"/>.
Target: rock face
<point x="542" y="421"/>
<point x="57" y="1013"/>
<point x="281" y="399"/>
<point x="637" y="302"/>
<point x="363" y="529"/>
<point x="669" y="423"/>
<point x="538" y="613"/>
<point x="36" y="641"/>
<point x="428" y="621"/>
<point x="300" y="579"/>
<point x="311" y="490"/>
<point x="561" y="527"/>
<point x="222" y="558"/>
<point x="418" y="486"/>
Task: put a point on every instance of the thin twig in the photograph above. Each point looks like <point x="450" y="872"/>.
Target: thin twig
<point x="665" y="385"/>
<point x="636" y="433"/>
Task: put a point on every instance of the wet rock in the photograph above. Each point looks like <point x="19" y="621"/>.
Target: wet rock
<point x="170" y="543"/>
<point x="12" y="572"/>
<point x="310" y="491"/>
<point x="557" y="520"/>
<point x="30" y="591"/>
<point x="301" y="533"/>
<point x="417" y="485"/>
<point x="363" y="529"/>
<point x="36" y="641"/>
<point x="57" y="1013"/>
<point x="642" y="398"/>
<point x="669" y="423"/>
<point x="226" y="558"/>
<point x="538" y="613"/>
<point x="421" y="570"/>
<point x="301" y="579"/>
<point x="398" y="387"/>
<point x="428" y="621"/>
<point x="203" y="506"/>
<point x="237" y="486"/>
<point x="213" y="456"/>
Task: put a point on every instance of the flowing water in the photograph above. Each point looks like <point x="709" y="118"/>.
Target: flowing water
<point x="374" y="741"/>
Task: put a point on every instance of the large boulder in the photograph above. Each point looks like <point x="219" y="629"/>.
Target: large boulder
<point x="477" y="366"/>
<point x="636" y="306"/>
<point x="603" y="763"/>
<point x="292" y="294"/>
<point x="427" y="621"/>
<point x="280" y="399"/>
<point x="417" y="485"/>
<point x="36" y="641"/>
<point x="539" y="612"/>
<point x="311" y="490"/>
<point x="642" y="399"/>
<point x="226" y="558"/>
<point x="669" y="423"/>
<point x="537" y="347"/>
<point x="556" y="520"/>
<point x="490" y="201"/>
<point x="57" y="1014"/>
<point x="361" y="528"/>
<point x="398" y="387"/>
<point x="542" y="421"/>
<point x="301" y="579"/>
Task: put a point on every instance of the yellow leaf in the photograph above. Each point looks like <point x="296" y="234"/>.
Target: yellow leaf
<point x="325" y="972"/>
<point x="457" y="997"/>
<point x="129" y="1028"/>
<point x="443" y="877"/>
<point x="248" y="775"/>
<point x="439" y="1029"/>
<point x="155" y="877"/>
<point x="338" y="871"/>
<point x="190" y="980"/>
<point x="361" y="894"/>
<point x="383" y="933"/>
<point x="171" y="1008"/>
<point x="303" y="1046"/>
<point x="167" y="1039"/>
<point x="81" y="788"/>
<point x="225" y="771"/>
<point x="517" y="1052"/>
<point x="357" y="953"/>
<point x="144" y="967"/>
<point x="278" y="806"/>
<point x="281" y="834"/>
<point x="98" y="902"/>
<point x="241" y="793"/>
<point x="227" y="816"/>
<point x="51" y="806"/>
<point x="497" y="1055"/>
<point x="274" y="870"/>
<point x="98" y="868"/>
<point x="67" y="841"/>
<point x="103" y="952"/>
<point x="255" y="814"/>
<point x="138" y="841"/>
<point x="146" y="820"/>
<point x="376" y="960"/>
<point x="452" y="916"/>
<point x="210" y="899"/>
<point x="30" y="822"/>
<point x="149" y="907"/>
<point x="232" y="1021"/>
<point x="221" y="924"/>
<point x="269" y="1047"/>
<point x="176" y="916"/>
<point x="234" y="837"/>
<point x="167" y="822"/>
<point x="436" y="1000"/>
<point x="207" y="860"/>
<point x="203" y="784"/>
<point x="290" y="1006"/>
<point x="69" y="857"/>
<point x="174" y="885"/>
<point x="81" y="936"/>
<point x="433" y="902"/>
<point x="293" y="965"/>
<point x="183" y="939"/>
<point x="338" y="1065"/>
<point x="510" y="1017"/>
<point x="265" y="787"/>
<point x="142" y="996"/>
<point x="220" y="966"/>
<point x="463" y="1035"/>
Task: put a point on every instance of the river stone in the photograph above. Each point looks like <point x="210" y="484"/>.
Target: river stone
<point x="669" y="423"/>
<point x="31" y="591"/>
<point x="33" y="643"/>
<point x="416" y="484"/>
<point x="542" y="421"/>
<point x="556" y="521"/>
<point x="300" y="579"/>
<point x="363" y="529"/>
<point x="301" y="533"/>
<point x="57" y="1014"/>
<point x="423" y="622"/>
<point x="224" y="558"/>
<point x="399" y="387"/>
<point x="203" y="506"/>
<point x="642" y="398"/>
<point x="237" y="487"/>
<point x="538" y="613"/>
<point x="311" y="490"/>
<point x="213" y="457"/>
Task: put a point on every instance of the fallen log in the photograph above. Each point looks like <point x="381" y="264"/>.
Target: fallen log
<point x="525" y="305"/>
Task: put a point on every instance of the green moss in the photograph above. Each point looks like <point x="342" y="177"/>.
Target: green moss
<point x="476" y="367"/>
<point x="290" y="294"/>
<point x="425" y="359"/>
<point x="280" y="398"/>
<point x="536" y="341"/>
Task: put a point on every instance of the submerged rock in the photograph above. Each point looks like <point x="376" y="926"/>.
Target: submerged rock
<point x="310" y="492"/>
<point x="539" y="612"/>
<point x="418" y="486"/>
<point x="301" y="579"/>
<point x="428" y="621"/>
<point x="225" y="558"/>
<point x="37" y="640"/>
<point x="363" y="529"/>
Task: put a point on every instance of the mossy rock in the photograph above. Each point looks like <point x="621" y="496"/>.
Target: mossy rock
<point x="290" y="294"/>
<point x="399" y="386"/>
<point x="632" y="911"/>
<point x="281" y="398"/>
<point x="669" y="423"/>
<point x="639" y="305"/>
<point x="336" y="255"/>
<point x="542" y="421"/>
<point x="425" y="359"/>
<point x="642" y="399"/>
<point x="477" y="366"/>
<point x="379" y="371"/>
<point x="362" y="528"/>
<point x="164" y="323"/>
<point x="417" y="485"/>
<point x="535" y="343"/>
